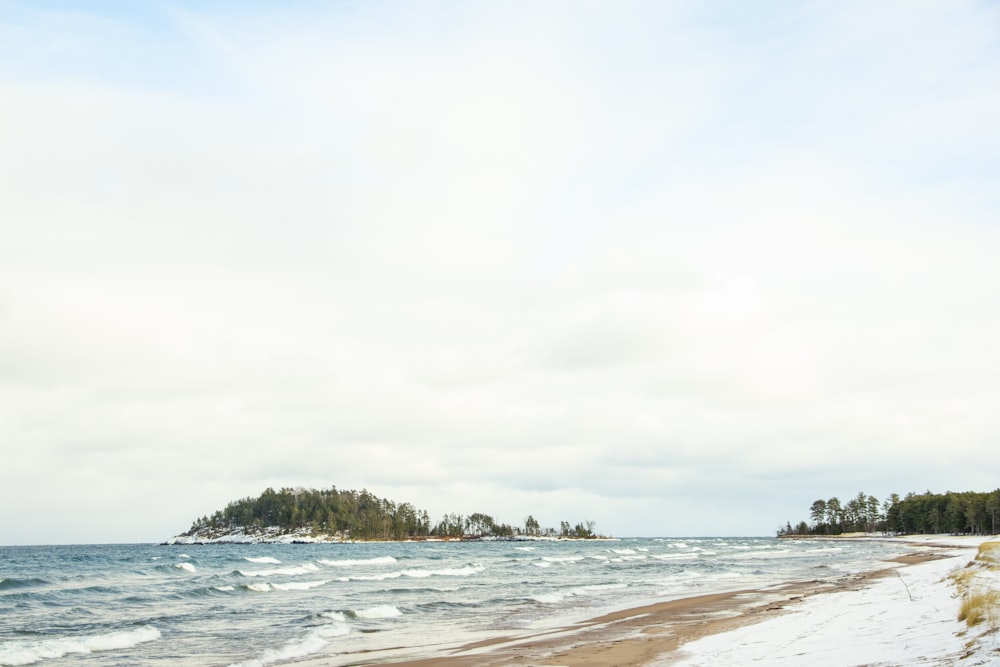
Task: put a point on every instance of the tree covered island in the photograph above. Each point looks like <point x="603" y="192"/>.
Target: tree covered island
<point x="334" y="515"/>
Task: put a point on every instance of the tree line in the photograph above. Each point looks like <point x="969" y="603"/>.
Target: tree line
<point x="361" y="515"/>
<point x="959" y="513"/>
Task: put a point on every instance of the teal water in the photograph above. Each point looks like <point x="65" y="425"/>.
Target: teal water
<point x="257" y="605"/>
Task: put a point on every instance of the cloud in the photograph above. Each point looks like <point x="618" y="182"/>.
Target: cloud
<point x="639" y="264"/>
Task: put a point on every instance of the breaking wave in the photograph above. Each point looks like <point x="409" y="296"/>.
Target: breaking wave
<point x="466" y="571"/>
<point x="288" y="571"/>
<point x="299" y="585"/>
<point x="382" y="611"/>
<point x="312" y="642"/>
<point x="27" y="652"/>
<point x="381" y="560"/>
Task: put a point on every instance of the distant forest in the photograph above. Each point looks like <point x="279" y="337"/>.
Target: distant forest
<point x="967" y="513"/>
<point x="360" y="515"/>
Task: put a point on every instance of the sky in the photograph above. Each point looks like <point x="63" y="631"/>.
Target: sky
<point x="678" y="268"/>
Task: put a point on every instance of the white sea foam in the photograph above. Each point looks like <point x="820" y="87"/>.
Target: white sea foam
<point x="582" y="591"/>
<point x="596" y="588"/>
<point x="188" y="567"/>
<point x="304" y="646"/>
<point x="184" y="556"/>
<point x="467" y="571"/>
<point x="334" y="630"/>
<point x="28" y="652"/>
<point x="335" y="616"/>
<point x="381" y="611"/>
<point x="289" y="571"/>
<point x="265" y="560"/>
<point x="675" y="556"/>
<point x="381" y="560"/>
<point x="259" y="588"/>
<point x="623" y="552"/>
<point x="299" y="585"/>
<point x="543" y="563"/>
<point x="224" y="589"/>
<point x="525" y="548"/>
<point x="372" y="577"/>
<point x="762" y="554"/>
<point x="562" y="559"/>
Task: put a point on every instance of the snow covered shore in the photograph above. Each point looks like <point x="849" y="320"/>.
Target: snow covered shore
<point x="908" y="618"/>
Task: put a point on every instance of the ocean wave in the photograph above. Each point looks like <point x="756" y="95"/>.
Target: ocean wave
<point x="670" y="557"/>
<point x="289" y="571"/>
<point x="258" y="588"/>
<point x="6" y="584"/>
<point x="263" y="560"/>
<point x="381" y="611"/>
<point x="467" y="571"/>
<point x="372" y="577"/>
<point x="762" y="554"/>
<point x="300" y="585"/>
<point x="187" y="567"/>
<point x="380" y="560"/>
<point x="312" y="642"/>
<point x="27" y="652"/>
<point x="562" y="559"/>
<point x="555" y="597"/>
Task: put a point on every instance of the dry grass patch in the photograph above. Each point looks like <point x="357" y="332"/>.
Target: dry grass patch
<point x="962" y="577"/>
<point x="979" y="606"/>
<point x="989" y="552"/>
<point x="975" y="583"/>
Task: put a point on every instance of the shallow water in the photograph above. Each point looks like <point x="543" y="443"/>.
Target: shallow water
<point x="253" y="605"/>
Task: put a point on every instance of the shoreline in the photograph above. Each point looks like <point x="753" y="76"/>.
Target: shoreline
<point x="660" y="633"/>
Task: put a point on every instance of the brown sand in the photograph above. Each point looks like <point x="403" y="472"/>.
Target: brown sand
<point x="634" y="636"/>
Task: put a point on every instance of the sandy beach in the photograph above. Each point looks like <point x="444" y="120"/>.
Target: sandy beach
<point x="903" y="614"/>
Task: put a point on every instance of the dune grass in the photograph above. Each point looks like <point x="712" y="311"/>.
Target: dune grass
<point x="989" y="552"/>
<point x="976" y="584"/>
<point x="980" y="605"/>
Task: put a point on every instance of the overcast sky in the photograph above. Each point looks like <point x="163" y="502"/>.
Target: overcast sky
<point x="680" y="268"/>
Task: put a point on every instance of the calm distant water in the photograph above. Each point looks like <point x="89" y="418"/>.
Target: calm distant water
<point x="275" y="604"/>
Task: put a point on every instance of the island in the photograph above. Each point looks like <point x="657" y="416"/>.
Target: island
<point x="299" y="515"/>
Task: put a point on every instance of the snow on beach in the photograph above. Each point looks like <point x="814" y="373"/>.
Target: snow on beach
<point x="909" y="618"/>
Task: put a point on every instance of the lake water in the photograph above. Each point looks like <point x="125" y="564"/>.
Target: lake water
<point x="256" y="605"/>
